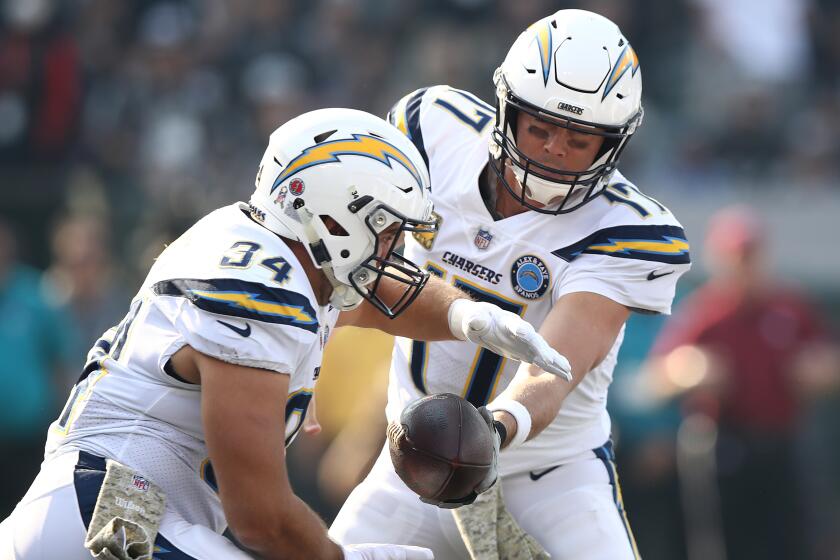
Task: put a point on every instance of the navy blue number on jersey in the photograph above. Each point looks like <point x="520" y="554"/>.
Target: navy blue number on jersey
<point x="486" y="365"/>
<point x="476" y="114"/>
<point x="622" y="193"/>
<point x="242" y="253"/>
<point x="110" y="344"/>
<point x="296" y="405"/>
<point x="419" y="348"/>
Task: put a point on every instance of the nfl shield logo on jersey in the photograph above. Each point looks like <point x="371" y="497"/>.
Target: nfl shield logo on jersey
<point x="140" y="483"/>
<point x="483" y="238"/>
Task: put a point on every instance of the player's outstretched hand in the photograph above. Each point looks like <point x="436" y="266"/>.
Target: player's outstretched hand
<point x="506" y="334"/>
<point x="385" y="552"/>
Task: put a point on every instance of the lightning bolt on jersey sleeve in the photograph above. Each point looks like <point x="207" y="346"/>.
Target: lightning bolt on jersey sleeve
<point x="237" y="293"/>
<point x="229" y="288"/>
<point x="240" y="322"/>
<point x="623" y="245"/>
<point x="635" y="265"/>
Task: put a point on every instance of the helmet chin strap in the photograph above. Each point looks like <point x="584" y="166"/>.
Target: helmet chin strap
<point x="343" y="297"/>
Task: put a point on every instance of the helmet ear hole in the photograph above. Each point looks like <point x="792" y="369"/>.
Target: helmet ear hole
<point x="334" y="227"/>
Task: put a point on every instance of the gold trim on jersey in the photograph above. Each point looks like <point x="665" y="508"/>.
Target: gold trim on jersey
<point x="427" y="239"/>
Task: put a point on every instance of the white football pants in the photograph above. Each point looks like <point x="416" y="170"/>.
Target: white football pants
<point x="50" y="522"/>
<point x="574" y="511"/>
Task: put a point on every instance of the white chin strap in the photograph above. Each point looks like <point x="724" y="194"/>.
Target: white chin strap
<point x="344" y="296"/>
<point x="539" y="189"/>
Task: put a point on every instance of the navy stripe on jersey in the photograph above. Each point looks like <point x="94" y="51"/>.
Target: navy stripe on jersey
<point x="665" y="244"/>
<point x="248" y="300"/>
<point x="607" y="456"/>
<point x="474" y="99"/>
<point x="87" y="480"/>
<point x="412" y="119"/>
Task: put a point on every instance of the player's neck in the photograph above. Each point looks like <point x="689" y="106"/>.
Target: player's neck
<point x="506" y="204"/>
<point x="320" y="285"/>
<point x="498" y="201"/>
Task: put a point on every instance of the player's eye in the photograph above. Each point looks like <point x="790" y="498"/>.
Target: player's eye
<point x="578" y="144"/>
<point x="579" y="140"/>
<point x="538" y="132"/>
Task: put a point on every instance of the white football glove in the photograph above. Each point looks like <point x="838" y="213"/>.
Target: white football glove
<point x="385" y="552"/>
<point x="506" y="334"/>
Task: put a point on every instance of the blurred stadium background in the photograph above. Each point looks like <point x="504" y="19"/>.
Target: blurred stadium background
<point x="123" y="121"/>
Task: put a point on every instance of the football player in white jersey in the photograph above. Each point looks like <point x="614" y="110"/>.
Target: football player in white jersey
<point x="549" y="229"/>
<point x="198" y="390"/>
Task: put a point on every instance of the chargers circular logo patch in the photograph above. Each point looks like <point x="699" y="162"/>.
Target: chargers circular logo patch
<point x="530" y="277"/>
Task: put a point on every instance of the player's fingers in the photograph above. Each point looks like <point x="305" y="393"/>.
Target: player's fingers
<point x="555" y="365"/>
<point x="311" y="426"/>
<point x="549" y="359"/>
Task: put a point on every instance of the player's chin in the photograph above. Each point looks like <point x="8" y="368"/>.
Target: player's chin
<point x="551" y="203"/>
<point x="536" y="204"/>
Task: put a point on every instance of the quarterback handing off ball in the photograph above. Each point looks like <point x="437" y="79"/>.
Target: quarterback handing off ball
<point x="442" y="449"/>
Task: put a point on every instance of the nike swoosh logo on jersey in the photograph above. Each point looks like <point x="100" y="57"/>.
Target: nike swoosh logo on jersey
<point x="246" y="331"/>
<point x="653" y="276"/>
<point x="535" y="476"/>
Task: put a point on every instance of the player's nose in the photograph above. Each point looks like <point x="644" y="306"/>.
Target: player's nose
<point x="556" y="143"/>
<point x="386" y="241"/>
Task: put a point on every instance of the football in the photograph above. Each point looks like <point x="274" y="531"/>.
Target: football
<point x="441" y="447"/>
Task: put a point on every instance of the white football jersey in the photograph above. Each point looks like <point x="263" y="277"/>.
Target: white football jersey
<point x="229" y="288"/>
<point x="623" y="245"/>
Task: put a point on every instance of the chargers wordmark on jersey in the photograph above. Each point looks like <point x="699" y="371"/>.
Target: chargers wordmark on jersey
<point x="248" y="300"/>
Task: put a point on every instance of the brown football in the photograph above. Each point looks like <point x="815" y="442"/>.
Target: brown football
<point x="441" y="447"/>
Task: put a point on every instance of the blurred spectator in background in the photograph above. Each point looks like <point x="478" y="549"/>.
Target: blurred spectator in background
<point x="747" y="350"/>
<point x="160" y="105"/>
<point x="352" y="390"/>
<point x="40" y="83"/>
<point x="83" y="279"/>
<point x="36" y="344"/>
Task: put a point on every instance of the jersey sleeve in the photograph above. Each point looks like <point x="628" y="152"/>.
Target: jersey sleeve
<point x="637" y="266"/>
<point x="441" y="118"/>
<point x="405" y="115"/>
<point x="240" y="322"/>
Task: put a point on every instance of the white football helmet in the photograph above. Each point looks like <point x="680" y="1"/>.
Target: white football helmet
<point x="333" y="179"/>
<point x="576" y="70"/>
